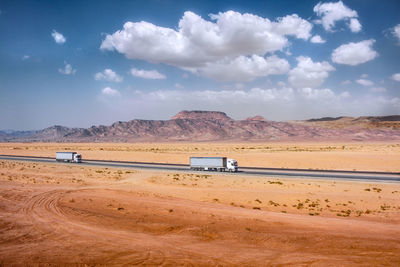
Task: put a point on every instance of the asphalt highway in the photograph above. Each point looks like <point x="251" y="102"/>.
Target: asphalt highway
<point x="258" y="171"/>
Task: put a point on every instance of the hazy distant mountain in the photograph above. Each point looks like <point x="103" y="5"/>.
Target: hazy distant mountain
<point x="217" y="126"/>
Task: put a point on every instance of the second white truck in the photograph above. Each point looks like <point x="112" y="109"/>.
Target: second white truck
<point x="221" y="164"/>
<point x="68" y="157"/>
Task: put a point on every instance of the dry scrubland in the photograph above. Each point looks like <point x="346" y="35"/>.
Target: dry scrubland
<point x="57" y="214"/>
<point x="343" y="156"/>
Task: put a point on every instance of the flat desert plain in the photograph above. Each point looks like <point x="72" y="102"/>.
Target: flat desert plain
<point x="337" y="156"/>
<point x="69" y="214"/>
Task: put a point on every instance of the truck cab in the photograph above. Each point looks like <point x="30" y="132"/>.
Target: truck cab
<point x="232" y="165"/>
<point x="77" y="158"/>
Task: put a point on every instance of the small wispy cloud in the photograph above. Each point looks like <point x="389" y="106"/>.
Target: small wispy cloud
<point x="108" y="75"/>
<point x="67" y="70"/>
<point x="316" y="39"/>
<point x="346" y="82"/>
<point x="110" y="92"/>
<point x="58" y="37"/>
<point x="147" y="74"/>
<point x="377" y="90"/>
<point x="396" y="77"/>
<point x="25" y="57"/>
<point x="178" y="86"/>
<point x="365" y="82"/>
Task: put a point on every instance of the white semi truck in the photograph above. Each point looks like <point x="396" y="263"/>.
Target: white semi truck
<point x="213" y="164"/>
<point x="68" y="157"/>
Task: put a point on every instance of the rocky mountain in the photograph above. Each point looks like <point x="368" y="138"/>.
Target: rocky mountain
<point x="217" y="126"/>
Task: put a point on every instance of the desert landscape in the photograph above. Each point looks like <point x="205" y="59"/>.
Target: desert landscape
<point x="62" y="214"/>
<point x="200" y="133"/>
<point x="360" y="156"/>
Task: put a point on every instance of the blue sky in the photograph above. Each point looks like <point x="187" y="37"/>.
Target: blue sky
<point x="83" y="63"/>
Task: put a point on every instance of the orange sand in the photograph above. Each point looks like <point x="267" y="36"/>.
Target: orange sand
<point x="339" y="156"/>
<point x="62" y="214"/>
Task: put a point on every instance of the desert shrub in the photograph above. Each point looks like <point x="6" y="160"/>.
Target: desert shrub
<point x="273" y="203"/>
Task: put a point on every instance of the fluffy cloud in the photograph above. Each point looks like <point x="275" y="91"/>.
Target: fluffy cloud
<point x="245" y="68"/>
<point x="396" y="31"/>
<point x="396" y="77"/>
<point x="308" y="73"/>
<point x="331" y="12"/>
<point x="110" y="92"/>
<point x="108" y="75"/>
<point x="355" y="25"/>
<point x="293" y="25"/>
<point x="58" y="37"/>
<point x="147" y="74"/>
<point x="67" y="70"/>
<point x="365" y="82"/>
<point x="354" y="53"/>
<point x="316" y="39"/>
<point x="198" y="43"/>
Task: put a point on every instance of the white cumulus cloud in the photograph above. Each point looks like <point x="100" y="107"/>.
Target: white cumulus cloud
<point x="110" y="91"/>
<point x="147" y="74"/>
<point x="308" y="73"/>
<point x="365" y="82"/>
<point x="316" y="39"/>
<point x="245" y="68"/>
<point x="355" y="25"/>
<point x="293" y="25"/>
<point x="354" y="53"/>
<point x="198" y="43"/>
<point x="396" y="77"/>
<point x="331" y="13"/>
<point x="67" y="70"/>
<point x="108" y="75"/>
<point x="58" y="37"/>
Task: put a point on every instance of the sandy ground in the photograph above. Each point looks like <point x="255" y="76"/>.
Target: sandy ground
<point x="337" y="156"/>
<point x="62" y="214"/>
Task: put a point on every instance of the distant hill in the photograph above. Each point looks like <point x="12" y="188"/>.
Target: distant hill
<point x="217" y="126"/>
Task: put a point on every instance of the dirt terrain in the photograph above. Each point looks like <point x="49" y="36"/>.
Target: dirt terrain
<point x="62" y="214"/>
<point x="338" y="156"/>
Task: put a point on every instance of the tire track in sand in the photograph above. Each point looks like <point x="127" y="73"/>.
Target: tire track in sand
<point x="56" y="227"/>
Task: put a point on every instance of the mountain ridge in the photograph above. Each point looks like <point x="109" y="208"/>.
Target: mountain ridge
<point x="200" y="125"/>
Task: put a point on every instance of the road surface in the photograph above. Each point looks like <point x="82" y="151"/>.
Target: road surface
<point x="275" y="172"/>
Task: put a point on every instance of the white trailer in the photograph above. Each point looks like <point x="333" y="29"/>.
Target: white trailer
<point x="213" y="164"/>
<point x="68" y="157"/>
